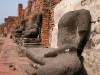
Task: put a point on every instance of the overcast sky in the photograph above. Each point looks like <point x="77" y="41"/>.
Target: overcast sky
<point x="9" y="8"/>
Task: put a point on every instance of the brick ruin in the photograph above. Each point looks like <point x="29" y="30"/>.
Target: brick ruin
<point x="46" y="7"/>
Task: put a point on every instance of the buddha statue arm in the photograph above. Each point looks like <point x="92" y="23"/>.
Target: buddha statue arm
<point x="57" y="51"/>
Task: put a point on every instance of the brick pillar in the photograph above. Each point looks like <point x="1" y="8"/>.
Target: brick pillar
<point x="20" y="10"/>
<point x="29" y="7"/>
<point x="5" y="26"/>
<point x="46" y="23"/>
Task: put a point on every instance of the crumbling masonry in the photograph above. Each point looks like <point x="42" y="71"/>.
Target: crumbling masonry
<point x="46" y="7"/>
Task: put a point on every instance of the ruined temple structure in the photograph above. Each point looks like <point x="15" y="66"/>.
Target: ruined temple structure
<point x="53" y="28"/>
<point x="34" y="6"/>
<point x="52" y="11"/>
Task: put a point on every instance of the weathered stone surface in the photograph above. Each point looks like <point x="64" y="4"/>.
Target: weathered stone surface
<point x="68" y="64"/>
<point x="55" y="66"/>
<point x="37" y="55"/>
<point x="72" y="26"/>
<point x="28" y="70"/>
<point x="91" y="61"/>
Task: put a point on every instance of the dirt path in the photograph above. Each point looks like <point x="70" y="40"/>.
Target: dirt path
<point x="10" y="62"/>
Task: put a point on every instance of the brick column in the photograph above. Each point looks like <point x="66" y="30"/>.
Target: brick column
<point x="20" y="10"/>
<point x="46" y="23"/>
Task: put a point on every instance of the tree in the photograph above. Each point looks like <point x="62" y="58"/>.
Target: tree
<point x="2" y="25"/>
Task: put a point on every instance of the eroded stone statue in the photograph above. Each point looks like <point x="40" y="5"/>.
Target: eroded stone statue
<point x="35" y="30"/>
<point x="19" y="29"/>
<point x="74" y="30"/>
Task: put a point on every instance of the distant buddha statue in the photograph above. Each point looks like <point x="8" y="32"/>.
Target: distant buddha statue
<point x="35" y="29"/>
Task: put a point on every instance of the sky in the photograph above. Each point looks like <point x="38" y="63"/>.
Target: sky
<point x="9" y="8"/>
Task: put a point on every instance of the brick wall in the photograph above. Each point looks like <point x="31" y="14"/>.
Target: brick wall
<point x="48" y="21"/>
<point x="42" y="6"/>
<point x="33" y="7"/>
<point x="10" y="23"/>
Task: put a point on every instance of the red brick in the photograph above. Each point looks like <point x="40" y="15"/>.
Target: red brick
<point x="5" y="73"/>
<point x="4" y="68"/>
<point x="16" y="72"/>
<point x="13" y="59"/>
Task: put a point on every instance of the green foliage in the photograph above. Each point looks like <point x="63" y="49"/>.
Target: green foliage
<point x="1" y="25"/>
